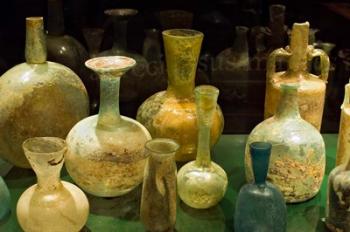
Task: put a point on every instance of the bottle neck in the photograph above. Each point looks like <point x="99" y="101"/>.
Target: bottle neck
<point x="260" y="154"/>
<point x="55" y="20"/>
<point x="109" y="115"/>
<point x="240" y="44"/>
<point x="49" y="181"/>
<point x="299" y="47"/>
<point x="119" y="34"/>
<point x="35" y="47"/>
<point x="288" y="106"/>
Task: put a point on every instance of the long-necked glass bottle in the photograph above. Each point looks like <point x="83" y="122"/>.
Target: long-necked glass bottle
<point x="39" y="98"/>
<point x="106" y="151"/>
<point x="297" y="161"/>
<point x="202" y="183"/>
<point x="172" y="113"/>
<point x="260" y="196"/>
<point x="312" y="88"/>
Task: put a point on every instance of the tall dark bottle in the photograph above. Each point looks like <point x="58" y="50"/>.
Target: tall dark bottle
<point x="260" y="205"/>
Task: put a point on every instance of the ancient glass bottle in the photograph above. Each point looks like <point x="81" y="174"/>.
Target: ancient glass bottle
<point x="312" y="88"/>
<point x="202" y="183"/>
<point x="338" y="201"/>
<point x="260" y="205"/>
<point x="297" y="162"/>
<point x="129" y="85"/>
<point x="343" y="148"/>
<point x="39" y="98"/>
<point x="106" y="151"/>
<point x="172" y="113"/>
<point x="158" y="201"/>
<point x="66" y="50"/>
<point x="5" y="199"/>
<point x="51" y="204"/>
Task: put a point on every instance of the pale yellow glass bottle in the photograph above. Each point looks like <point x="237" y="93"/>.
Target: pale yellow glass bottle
<point x="50" y="205"/>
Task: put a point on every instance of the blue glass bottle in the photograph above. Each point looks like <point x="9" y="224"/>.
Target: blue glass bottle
<point x="5" y="200"/>
<point x="260" y="205"/>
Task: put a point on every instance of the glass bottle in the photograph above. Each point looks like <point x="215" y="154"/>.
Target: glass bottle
<point x="39" y="98"/>
<point x="66" y="50"/>
<point x="106" y="151"/>
<point x="5" y="199"/>
<point x="129" y="85"/>
<point x="297" y="162"/>
<point x="172" y="113"/>
<point x="312" y="88"/>
<point x="260" y="196"/>
<point x="51" y="204"/>
<point x="343" y="147"/>
<point x="338" y="201"/>
<point x="93" y="37"/>
<point x="202" y="183"/>
<point x="158" y="202"/>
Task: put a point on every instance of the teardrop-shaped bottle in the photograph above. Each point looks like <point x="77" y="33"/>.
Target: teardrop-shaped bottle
<point x="297" y="162"/>
<point x="39" y="98"/>
<point x="260" y="196"/>
<point x="312" y="88"/>
<point x="202" y="183"/>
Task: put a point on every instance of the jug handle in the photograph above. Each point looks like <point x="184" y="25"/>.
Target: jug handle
<point x="324" y="61"/>
<point x="271" y="61"/>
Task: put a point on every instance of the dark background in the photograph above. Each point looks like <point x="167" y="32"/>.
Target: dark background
<point x="330" y="17"/>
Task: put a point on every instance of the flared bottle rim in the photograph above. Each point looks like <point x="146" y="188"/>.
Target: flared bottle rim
<point x="260" y="145"/>
<point x="44" y="145"/>
<point x="208" y="90"/>
<point x="162" y="146"/>
<point x="110" y="63"/>
<point x="182" y="33"/>
<point x="121" y="12"/>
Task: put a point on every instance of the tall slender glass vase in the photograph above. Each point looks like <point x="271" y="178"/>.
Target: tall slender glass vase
<point x="106" y="151"/>
<point x="260" y="196"/>
<point x="202" y="183"/>
<point x="172" y="113"/>
<point x="158" y="202"/>
<point x="51" y="204"/>
<point x="39" y="98"/>
<point x="297" y="162"/>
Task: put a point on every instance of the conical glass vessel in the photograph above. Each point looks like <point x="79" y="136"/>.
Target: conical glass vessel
<point x="202" y="183"/>
<point x="51" y="204"/>
<point x="129" y="92"/>
<point x="297" y="162"/>
<point x="343" y="148"/>
<point x="39" y="98"/>
<point x="260" y="196"/>
<point x="66" y="50"/>
<point x="172" y="113"/>
<point x="338" y="201"/>
<point x="5" y="199"/>
<point x="106" y="151"/>
<point x="312" y="88"/>
<point x="158" y="202"/>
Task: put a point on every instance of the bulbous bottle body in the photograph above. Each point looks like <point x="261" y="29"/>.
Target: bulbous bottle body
<point x="337" y="213"/>
<point x="38" y="100"/>
<point x="172" y="113"/>
<point x="297" y="162"/>
<point x="106" y="163"/>
<point x="201" y="187"/>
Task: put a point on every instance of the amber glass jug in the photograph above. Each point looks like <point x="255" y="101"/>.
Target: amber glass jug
<point x="311" y="93"/>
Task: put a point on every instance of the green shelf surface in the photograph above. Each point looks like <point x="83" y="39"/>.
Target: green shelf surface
<point x="122" y="214"/>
